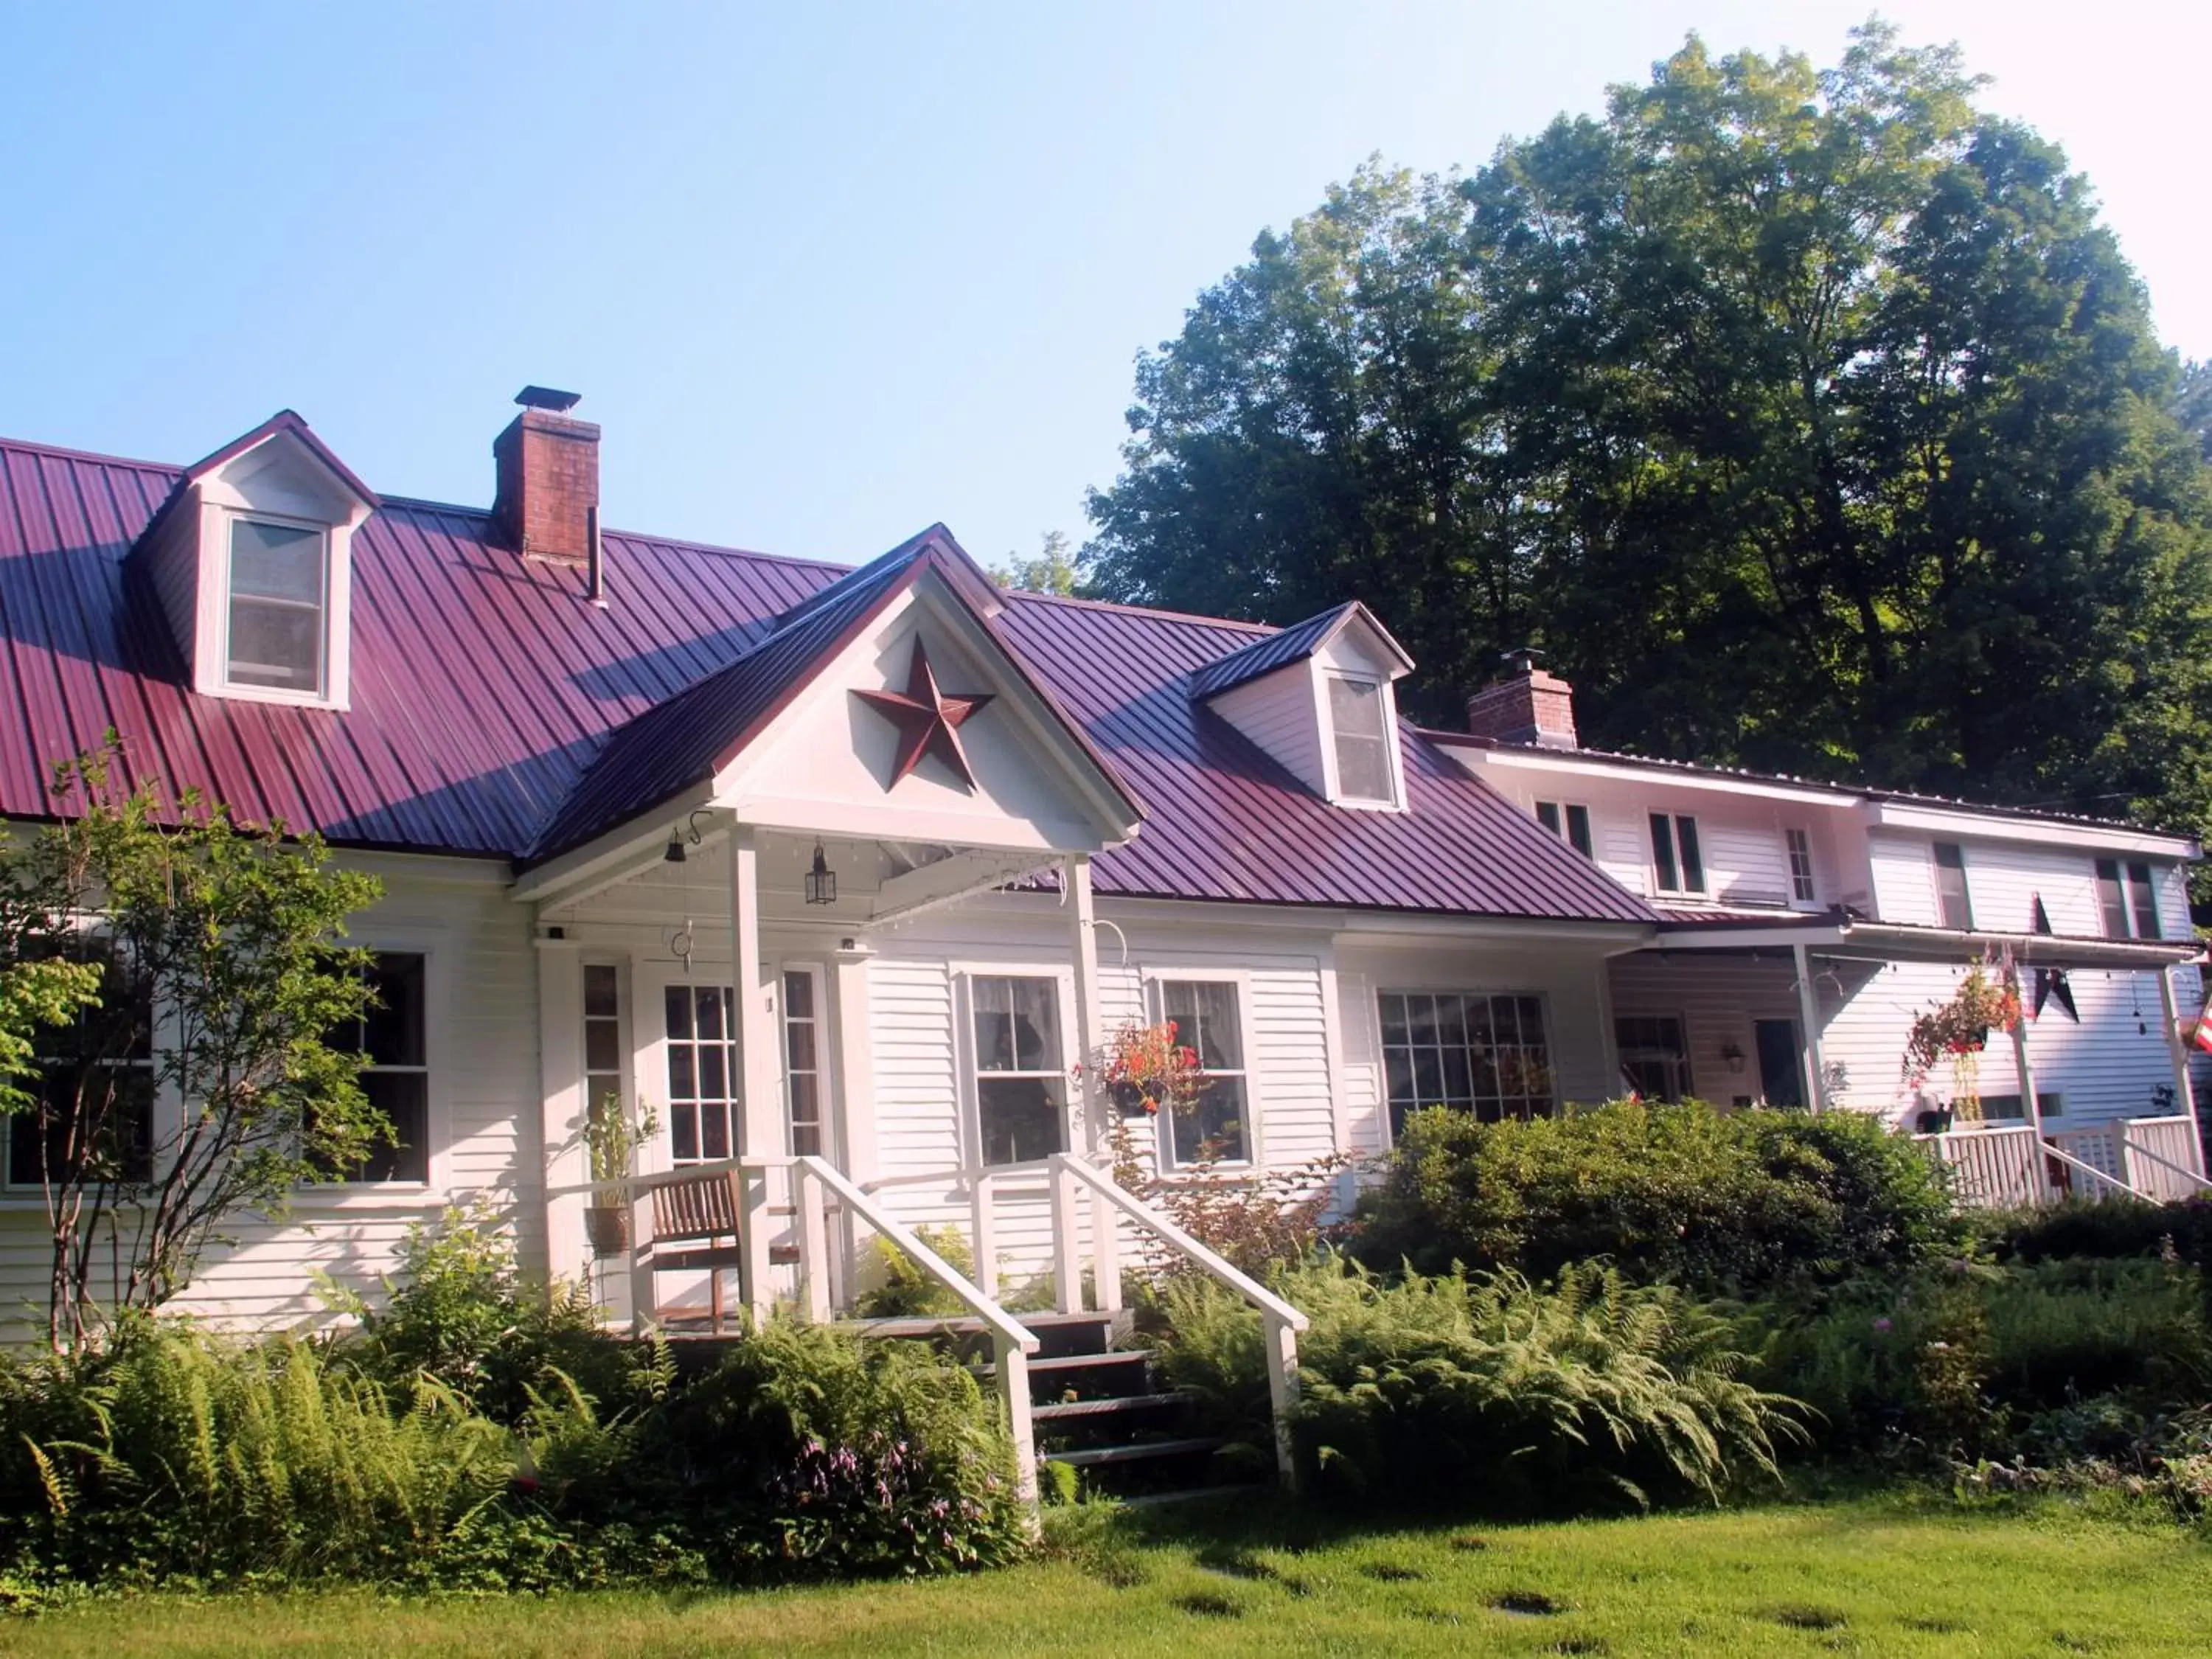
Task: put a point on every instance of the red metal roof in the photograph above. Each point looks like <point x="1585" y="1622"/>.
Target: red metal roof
<point x="486" y="689"/>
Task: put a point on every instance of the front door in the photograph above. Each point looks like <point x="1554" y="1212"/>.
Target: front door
<point x="802" y="1012"/>
<point x="1781" y="1062"/>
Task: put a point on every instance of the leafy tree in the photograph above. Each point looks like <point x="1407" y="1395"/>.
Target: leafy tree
<point x="1054" y="570"/>
<point x="1808" y="418"/>
<point x="171" y="986"/>
<point x="2192" y="404"/>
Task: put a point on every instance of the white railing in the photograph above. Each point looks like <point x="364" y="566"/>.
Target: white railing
<point x="1992" y="1168"/>
<point x="1279" y="1319"/>
<point x="2165" y="1156"/>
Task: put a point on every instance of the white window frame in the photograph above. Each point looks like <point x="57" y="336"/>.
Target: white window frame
<point x="1387" y="702"/>
<point x="1803" y="888"/>
<point x="1564" y="832"/>
<point x="1966" y="883"/>
<point x="1155" y="980"/>
<point x="1674" y="843"/>
<point x="438" y="1060"/>
<point x="1379" y="988"/>
<point x="14" y="1194"/>
<point x="625" y="1017"/>
<point x="1681" y="1058"/>
<point x="321" y="697"/>
<point x="964" y="976"/>
<point x="824" y="1119"/>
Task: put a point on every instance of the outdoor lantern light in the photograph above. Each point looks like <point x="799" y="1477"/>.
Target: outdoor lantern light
<point x="675" y="853"/>
<point x="820" y="880"/>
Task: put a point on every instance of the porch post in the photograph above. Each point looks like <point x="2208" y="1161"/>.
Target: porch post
<point x="2177" y="1052"/>
<point x="560" y="1108"/>
<point x="1808" y="1017"/>
<point x="2030" y="1108"/>
<point x="853" y="1085"/>
<point x="751" y="1030"/>
<point x="1083" y="922"/>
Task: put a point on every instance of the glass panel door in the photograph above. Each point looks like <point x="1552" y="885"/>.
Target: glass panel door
<point x="702" y="1073"/>
<point x="1781" y="1062"/>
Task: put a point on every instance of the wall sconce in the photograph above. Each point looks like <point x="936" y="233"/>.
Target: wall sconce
<point x="820" y="880"/>
<point x="1732" y="1052"/>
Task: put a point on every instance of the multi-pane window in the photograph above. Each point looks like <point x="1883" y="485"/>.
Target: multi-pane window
<point x="1476" y="1053"/>
<point x="1801" y="864"/>
<point x="276" y="604"/>
<point x="802" y="1060"/>
<point x="1951" y="901"/>
<point x="1363" y="741"/>
<point x="92" y="1093"/>
<point x="1206" y="1018"/>
<point x="392" y="1040"/>
<point x="1567" y="819"/>
<point x="1021" y="1083"/>
<point x="703" y="1072"/>
<point x="2049" y="1105"/>
<point x="1677" y="861"/>
<point x="2127" y="899"/>
<point x="1654" y="1060"/>
<point x="603" y="1044"/>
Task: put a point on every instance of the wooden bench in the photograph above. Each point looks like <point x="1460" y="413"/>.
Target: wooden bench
<point x="704" y="1209"/>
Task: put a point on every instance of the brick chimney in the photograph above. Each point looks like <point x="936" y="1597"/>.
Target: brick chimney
<point x="1527" y="707"/>
<point x="548" y="462"/>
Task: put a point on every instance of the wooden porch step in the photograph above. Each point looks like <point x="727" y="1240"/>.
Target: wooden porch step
<point x="1116" y="1403"/>
<point x="1076" y="1362"/>
<point x="1137" y="1451"/>
<point x="927" y="1325"/>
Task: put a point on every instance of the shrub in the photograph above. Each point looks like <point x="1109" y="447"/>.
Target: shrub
<point x="1483" y="1387"/>
<point x="1740" y="1202"/>
<point x="903" y="1291"/>
<point x="2107" y="1228"/>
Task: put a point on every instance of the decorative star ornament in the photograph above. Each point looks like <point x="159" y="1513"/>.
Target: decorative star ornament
<point x="2051" y="982"/>
<point x="928" y="721"/>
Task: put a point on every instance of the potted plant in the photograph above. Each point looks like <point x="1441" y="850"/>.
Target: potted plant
<point x="611" y="1138"/>
<point x="1958" y="1030"/>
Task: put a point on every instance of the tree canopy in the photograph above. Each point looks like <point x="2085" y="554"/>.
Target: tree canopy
<point x="1809" y="419"/>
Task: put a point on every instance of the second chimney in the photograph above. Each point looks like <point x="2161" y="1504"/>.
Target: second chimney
<point x="548" y="464"/>
<point x="1529" y="706"/>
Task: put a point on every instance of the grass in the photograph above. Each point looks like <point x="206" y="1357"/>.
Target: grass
<point x="1885" y="1576"/>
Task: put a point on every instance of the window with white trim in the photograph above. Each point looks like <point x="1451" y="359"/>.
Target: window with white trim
<point x="1655" y="1059"/>
<point x="603" y="1040"/>
<point x="392" y="1039"/>
<point x="93" y="1090"/>
<point x="1360" y="728"/>
<point x="2129" y="899"/>
<point x="1953" y="905"/>
<point x="1209" y="1021"/>
<point x="274" y="633"/>
<point x="1474" y="1051"/>
<point x="1568" y="820"/>
<point x="1801" y="865"/>
<point x="802" y="1060"/>
<point x="1021" y="1077"/>
<point x="1678" y="862"/>
<point x="702" y="1073"/>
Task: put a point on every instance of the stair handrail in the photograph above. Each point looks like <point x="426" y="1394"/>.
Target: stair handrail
<point x="1013" y="1341"/>
<point x="1280" y="1321"/>
<point x="2065" y="1156"/>
<point x="2141" y="1151"/>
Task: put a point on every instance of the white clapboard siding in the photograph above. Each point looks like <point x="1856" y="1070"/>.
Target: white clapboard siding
<point x="2004" y="880"/>
<point x="1365" y="1097"/>
<point x="1744" y="864"/>
<point x="1278" y="712"/>
<point x="1716" y="999"/>
<point x="1904" y="880"/>
<point x="1289" y="1065"/>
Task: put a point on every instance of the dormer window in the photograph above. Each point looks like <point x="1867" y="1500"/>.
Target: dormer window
<point x="1362" y="732"/>
<point x="278" y="600"/>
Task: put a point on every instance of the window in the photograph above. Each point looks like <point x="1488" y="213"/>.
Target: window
<point x="603" y="1044"/>
<point x="2130" y="903"/>
<point x="1568" y="819"/>
<point x="1951" y="887"/>
<point x="276" y="602"/>
<point x="1801" y="864"/>
<point x="802" y="1060"/>
<point x="1021" y="1086"/>
<point x="1479" y="1053"/>
<point x="1654" y="1060"/>
<point x="2049" y="1105"/>
<point x="1204" y="1013"/>
<point x="93" y="1091"/>
<point x="1675" y="858"/>
<point x="1362" y="741"/>
<point x="701" y="1073"/>
<point x="396" y="1078"/>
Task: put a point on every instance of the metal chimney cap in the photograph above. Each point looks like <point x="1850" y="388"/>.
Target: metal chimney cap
<point x="544" y="397"/>
<point x="1524" y="660"/>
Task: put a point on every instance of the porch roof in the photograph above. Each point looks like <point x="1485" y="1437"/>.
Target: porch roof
<point x="1842" y="932"/>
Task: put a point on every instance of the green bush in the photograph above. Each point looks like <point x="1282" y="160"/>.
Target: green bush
<point x="1485" y="1388"/>
<point x="1960" y="1361"/>
<point x="2106" y="1227"/>
<point x="1738" y="1203"/>
<point x="903" y="1291"/>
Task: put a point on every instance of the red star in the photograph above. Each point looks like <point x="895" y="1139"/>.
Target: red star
<point x="928" y="721"/>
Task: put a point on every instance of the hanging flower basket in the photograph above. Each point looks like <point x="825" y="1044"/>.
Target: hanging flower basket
<point x="1145" y="1070"/>
<point x="1958" y="1030"/>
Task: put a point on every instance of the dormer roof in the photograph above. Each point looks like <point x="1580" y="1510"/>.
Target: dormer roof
<point x="285" y="423"/>
<point x="1295" y="644"/>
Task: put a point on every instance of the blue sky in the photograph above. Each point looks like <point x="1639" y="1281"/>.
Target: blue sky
<point x="824" y="273"/>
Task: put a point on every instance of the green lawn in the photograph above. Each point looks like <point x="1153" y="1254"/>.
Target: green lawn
<point x="1876" y="1576"/>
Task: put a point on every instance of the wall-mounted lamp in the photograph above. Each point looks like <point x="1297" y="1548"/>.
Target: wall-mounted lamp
<point x="820" y="880"/>
<point x="1732" y="1052"/>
